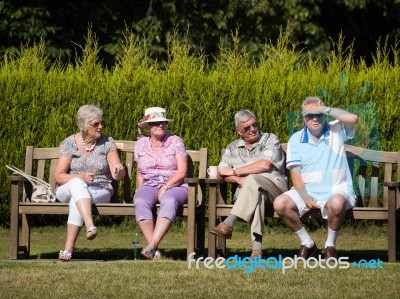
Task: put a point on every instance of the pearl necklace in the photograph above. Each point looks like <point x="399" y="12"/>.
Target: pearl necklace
<point x="88" y="149"/>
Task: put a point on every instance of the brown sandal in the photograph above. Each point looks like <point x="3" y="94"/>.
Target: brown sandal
<point x="255" y="253"/>
<point x="148" y="253"/>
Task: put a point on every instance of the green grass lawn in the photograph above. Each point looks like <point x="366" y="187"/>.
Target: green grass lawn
<point x="105" y="268"/>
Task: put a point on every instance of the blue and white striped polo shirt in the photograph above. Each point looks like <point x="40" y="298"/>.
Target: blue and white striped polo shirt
<point x="324" y="166"/>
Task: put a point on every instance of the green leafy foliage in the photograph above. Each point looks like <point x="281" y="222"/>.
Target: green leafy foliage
<point x="39" y="99"/>
<point x="314" y="23"/>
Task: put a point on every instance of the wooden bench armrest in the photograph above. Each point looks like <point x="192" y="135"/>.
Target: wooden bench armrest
<point x="16" y="178"/>
<point x="16" y="181"/>
<point x="392" y="184"/>
<point x="195" y="199"/>
<point x="201" y="184"/>
<point x="203" y="181"/>
<point x="213" y="185"/>
<point x="192" y="180"/>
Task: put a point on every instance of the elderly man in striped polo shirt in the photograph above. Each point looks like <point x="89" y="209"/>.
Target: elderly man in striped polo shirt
<point x="256" y="163"/>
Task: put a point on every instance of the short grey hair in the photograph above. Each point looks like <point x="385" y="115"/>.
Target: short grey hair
<point x="243" y="116"/>
<point x="87" y="113"/>
<point x="312" y="99"/>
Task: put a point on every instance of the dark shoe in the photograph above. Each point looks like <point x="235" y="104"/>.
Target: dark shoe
<point x="330" y="252"/>
<point x="222" y="230"/>
<point x="306" y="252"/>
<point x="255" y="253"/>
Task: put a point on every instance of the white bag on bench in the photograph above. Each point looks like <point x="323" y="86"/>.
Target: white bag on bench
<point x="41" y="190"/>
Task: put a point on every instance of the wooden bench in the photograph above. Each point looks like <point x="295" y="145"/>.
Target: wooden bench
<point x="376" y="177"/>
<point x="41" y="162"/>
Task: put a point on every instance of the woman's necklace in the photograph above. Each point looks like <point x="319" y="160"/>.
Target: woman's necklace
<point x="88" y="149"/>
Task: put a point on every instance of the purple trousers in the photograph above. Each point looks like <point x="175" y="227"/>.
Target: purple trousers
<point x="145" y="199"/>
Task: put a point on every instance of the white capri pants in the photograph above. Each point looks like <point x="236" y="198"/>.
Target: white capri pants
<point x="76" y="189"/>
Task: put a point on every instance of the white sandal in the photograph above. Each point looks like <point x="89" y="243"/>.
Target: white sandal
<point x="157" y="255"/>
<point x="64" y="255"/>
<point x="91" y="233"/>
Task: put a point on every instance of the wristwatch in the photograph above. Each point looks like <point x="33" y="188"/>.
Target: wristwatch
<point x="234" y="171"/>
<point x="327" y="110"/>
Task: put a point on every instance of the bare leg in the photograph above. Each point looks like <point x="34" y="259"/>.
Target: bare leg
<point x="147" y="228"/>
<point x="336" y="211"/>
<point x="84" y="206"/>
<point x="162" y="226"/>
<point x="72" y="235"/>
<point x="336" y="208"/>
<point x="288" y="212"/>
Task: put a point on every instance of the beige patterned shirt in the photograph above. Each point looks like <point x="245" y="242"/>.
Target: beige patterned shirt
<point x="268" y="147"/>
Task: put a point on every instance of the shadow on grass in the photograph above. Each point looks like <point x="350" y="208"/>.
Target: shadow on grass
<point x="112" y="254"/>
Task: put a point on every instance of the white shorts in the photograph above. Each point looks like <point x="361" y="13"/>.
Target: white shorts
<point x="301" y="206"/>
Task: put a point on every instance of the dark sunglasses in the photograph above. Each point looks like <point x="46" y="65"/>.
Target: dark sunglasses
<point x="157" y="123"/>
<point x="248" y="128"/>
<point x="97" y="124"/>
<point x="317" y="115"/>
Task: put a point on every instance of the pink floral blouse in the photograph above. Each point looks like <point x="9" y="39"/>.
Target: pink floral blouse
<point x="157" y="167"/>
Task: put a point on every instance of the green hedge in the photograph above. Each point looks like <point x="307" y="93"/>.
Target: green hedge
<point x="39" y="100"/>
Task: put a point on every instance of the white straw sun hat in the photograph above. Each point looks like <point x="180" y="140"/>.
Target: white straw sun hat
<point x="154" y="114"/>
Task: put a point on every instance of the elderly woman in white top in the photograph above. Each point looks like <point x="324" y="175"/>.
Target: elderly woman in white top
<point x="87" y="164"/>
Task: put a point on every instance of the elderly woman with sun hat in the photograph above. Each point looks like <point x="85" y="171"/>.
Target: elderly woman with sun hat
<point x="162" y="162"/>
<point x="87" y="164"/>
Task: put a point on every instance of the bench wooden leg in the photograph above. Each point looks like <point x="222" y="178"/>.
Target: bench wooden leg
<point x="200" y="229"/>
<point x="396" y="233"/>
<point x="397" y="204"/>
<point x="25" y="236"/>
<point x="392" y="226"/>
<point x="14" y="223"/>
<point x="191" y="220"/>
<point x="397" y="241"/>
<point x="221" y="247"/>
<point x="212" y="218"/>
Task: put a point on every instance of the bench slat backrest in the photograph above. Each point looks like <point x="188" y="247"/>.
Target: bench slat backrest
<point x="373" y="168"/>
<point x="126" y="154"/>
<point x="370" y="168"/>
<point x="46" y="160"/>
<point x="41" y="162"/>
<point x="197" y="167"/>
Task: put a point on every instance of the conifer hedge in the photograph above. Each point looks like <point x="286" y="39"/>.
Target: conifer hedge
<point x="39" y="100"/>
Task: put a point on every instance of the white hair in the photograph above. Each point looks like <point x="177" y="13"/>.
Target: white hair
<point x="243" y="116"/>
<point x="85" y="114"/>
